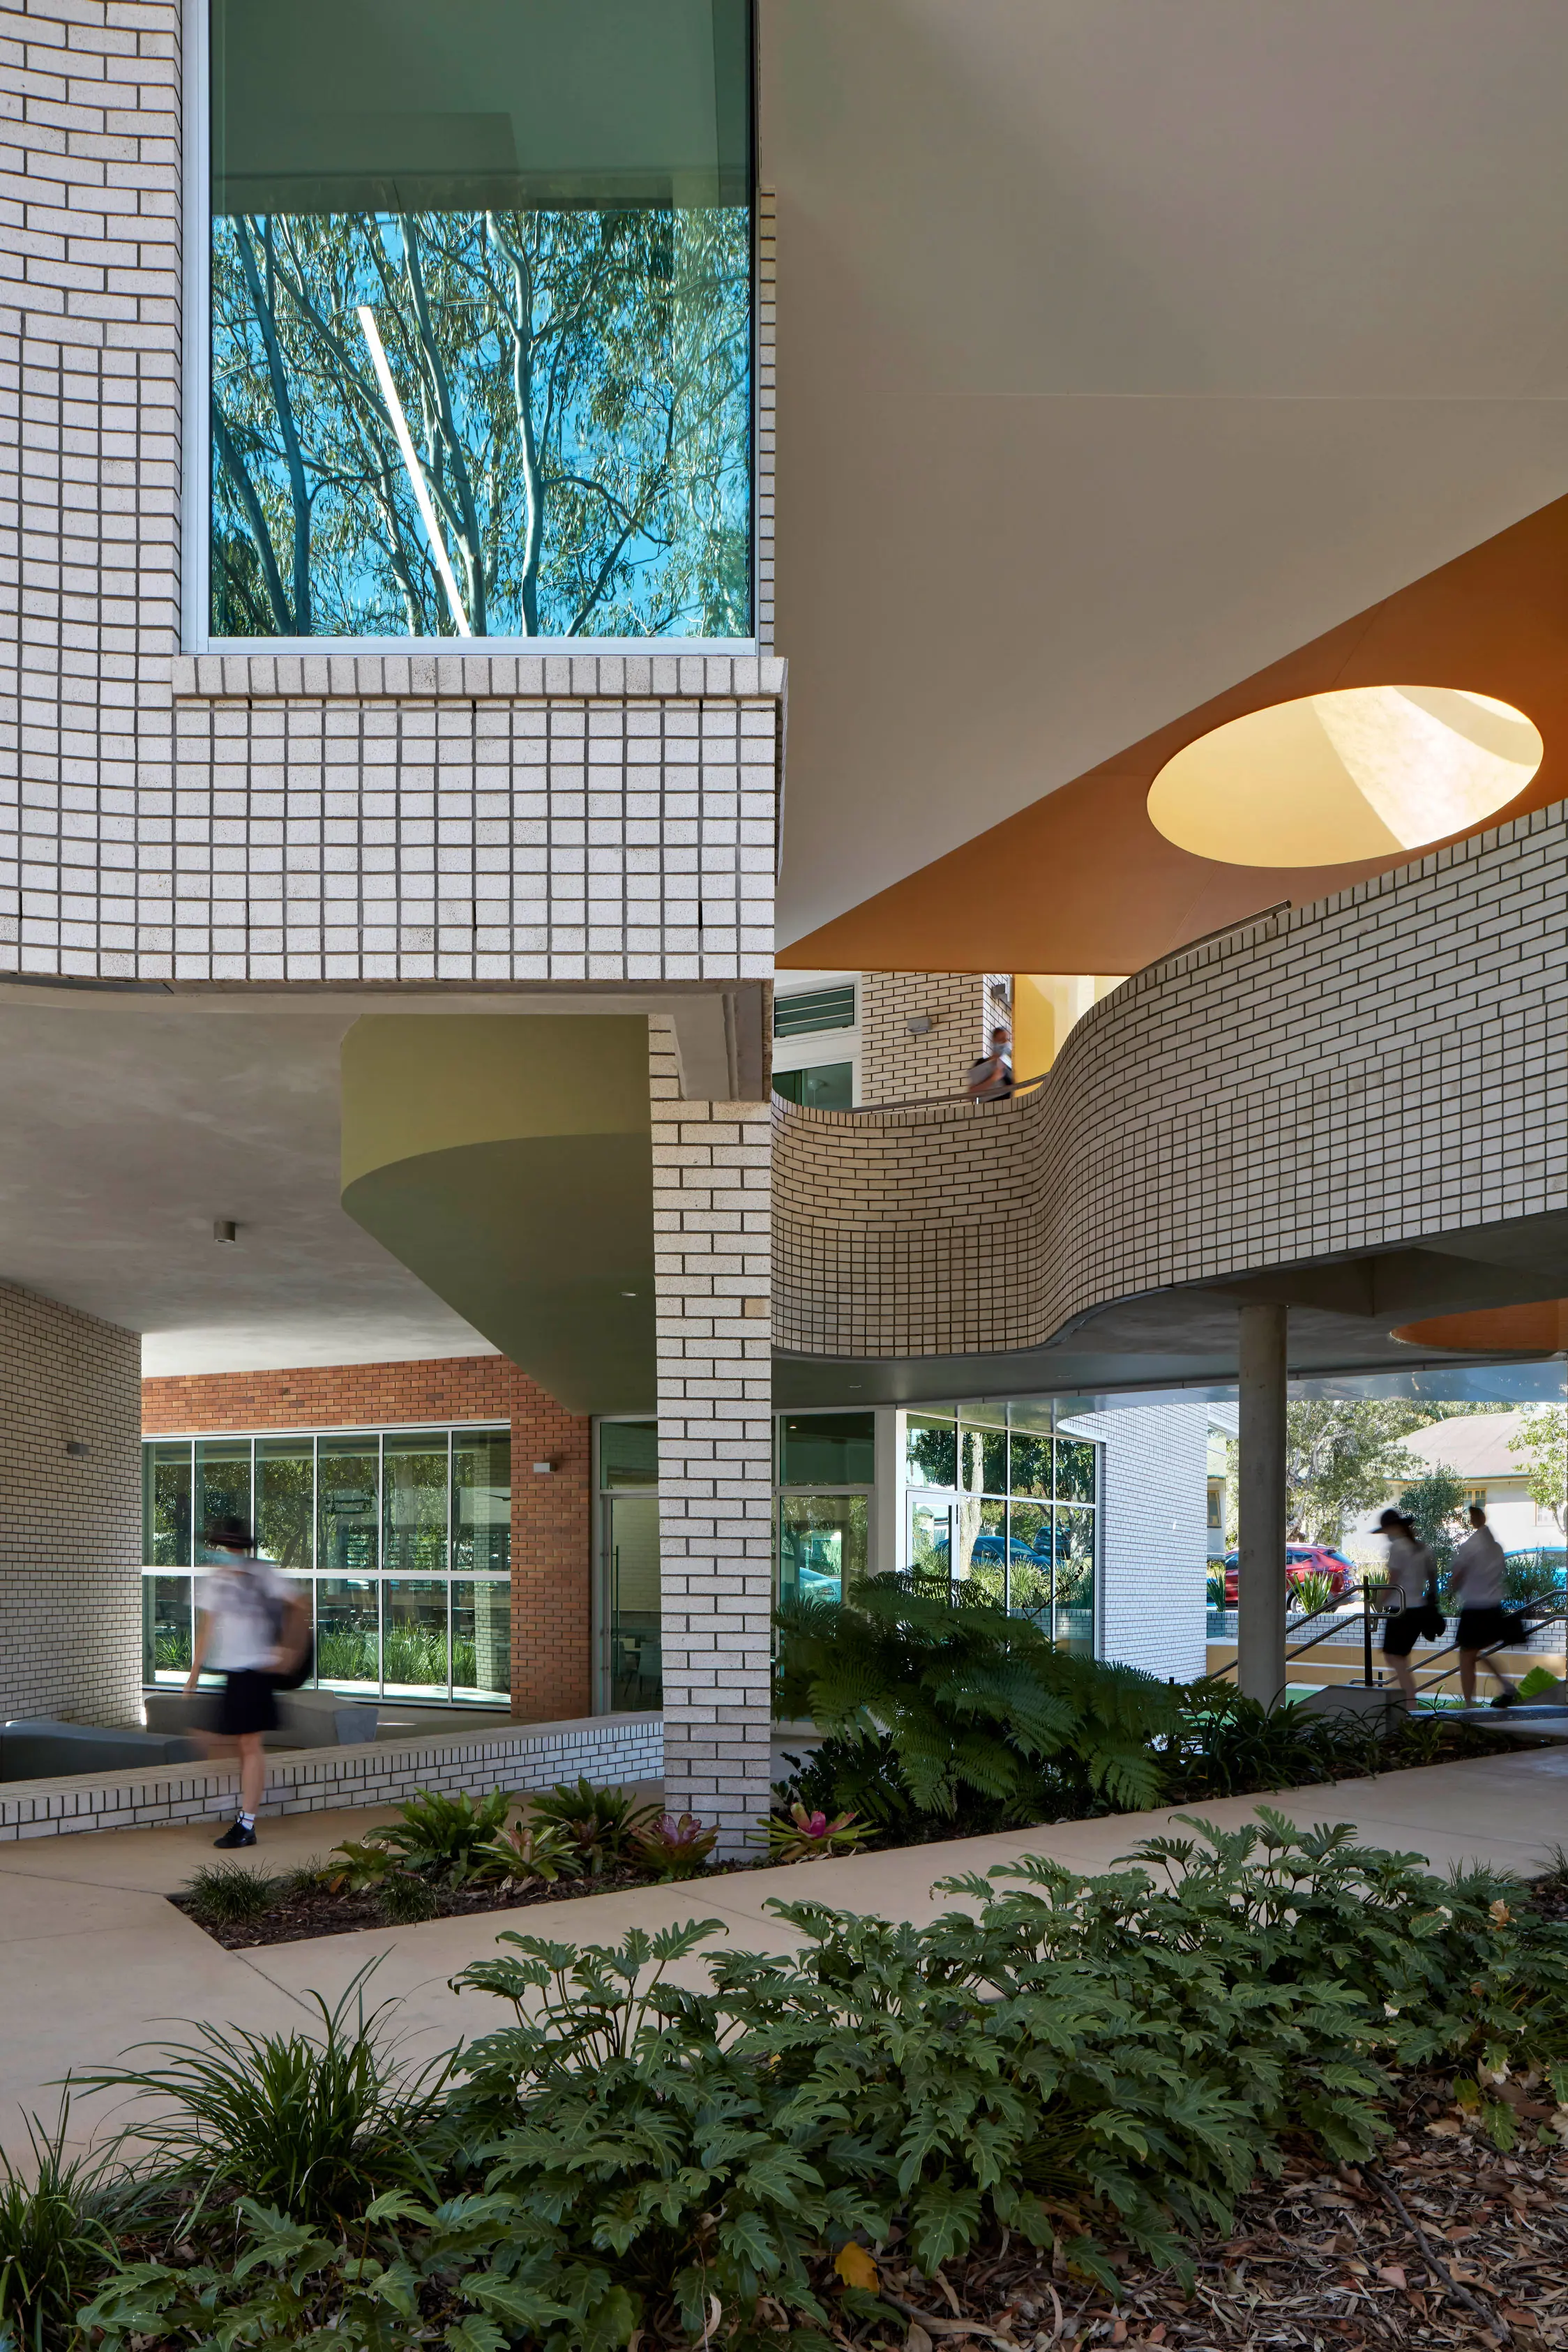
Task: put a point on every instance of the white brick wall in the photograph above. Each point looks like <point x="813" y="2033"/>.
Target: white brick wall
<point x="1153" y="1531"/>
<point x="460" y="817"/>
<point x="70" y="1535"/>
<point x="711" y="1207"/>
<point x="610" y="1749"/>
<point x="897" y="1067"/>
<point x="1379" y="1067"/>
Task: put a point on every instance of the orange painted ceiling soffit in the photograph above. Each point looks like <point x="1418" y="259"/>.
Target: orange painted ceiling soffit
<point x="1541" y="1330"/>
<point x="1080" y="881"/>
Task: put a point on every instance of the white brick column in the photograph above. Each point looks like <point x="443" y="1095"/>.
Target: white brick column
<point x="711" y="1220"/>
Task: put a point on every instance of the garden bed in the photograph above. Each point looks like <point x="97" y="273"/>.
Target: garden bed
<point x="300" y="1909"/>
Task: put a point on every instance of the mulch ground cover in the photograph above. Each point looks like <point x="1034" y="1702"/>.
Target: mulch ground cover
<point x="1442" y="2242"/>
<point x="316" y="1911"/>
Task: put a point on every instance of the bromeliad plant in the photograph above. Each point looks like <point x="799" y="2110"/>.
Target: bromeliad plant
<point x="601" y="1823"/>
<point x="799" y="1836"/>
<point x="673" y="1847"/>
<point x="437" y="1837"/>
<point x="944" y="1712"/>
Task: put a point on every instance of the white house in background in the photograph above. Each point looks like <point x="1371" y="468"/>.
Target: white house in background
<point x="1477" y="1447"/>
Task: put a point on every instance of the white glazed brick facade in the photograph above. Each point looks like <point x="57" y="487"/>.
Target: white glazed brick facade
<point x="1153" y="1595"/>
<point x="1379" y="1067"/>
<point x="357" y="819"/>
<point x="612" y="1749"/>
<point x="710" y="1212"/>
<point x="70" y="1535"/>
<point x="896" y="1067"/>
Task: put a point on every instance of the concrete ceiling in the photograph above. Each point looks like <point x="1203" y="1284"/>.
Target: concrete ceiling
<point x="1125" y="347"/>
<point x="129" y="1128"/>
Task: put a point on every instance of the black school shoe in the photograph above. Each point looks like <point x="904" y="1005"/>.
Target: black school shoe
<point x="1506" y="1699"/>
<point x="236" y="1834"/>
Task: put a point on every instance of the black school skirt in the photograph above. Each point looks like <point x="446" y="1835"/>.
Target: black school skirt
<point x="247" y="1703"/>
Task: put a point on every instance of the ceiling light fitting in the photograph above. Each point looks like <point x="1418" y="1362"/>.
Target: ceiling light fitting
<point x="1366" y="772"/>
<point x="224" y="1229"/>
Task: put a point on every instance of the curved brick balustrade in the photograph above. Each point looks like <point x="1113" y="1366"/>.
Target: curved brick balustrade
<point x="1384" y="1066"/>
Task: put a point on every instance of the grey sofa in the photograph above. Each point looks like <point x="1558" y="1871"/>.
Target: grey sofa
<point x="305" y="1718"/>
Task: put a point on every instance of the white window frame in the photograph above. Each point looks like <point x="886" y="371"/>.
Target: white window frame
<point x="821" y="1045"/>
<point x="196" y="433"/>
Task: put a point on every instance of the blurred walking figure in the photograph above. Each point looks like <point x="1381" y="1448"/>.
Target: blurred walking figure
<point x="1412" y="1591"/>
<point x="1477" y="1578"/>
<point x="252" y="1626"/>
<point x="990" y="1079"/>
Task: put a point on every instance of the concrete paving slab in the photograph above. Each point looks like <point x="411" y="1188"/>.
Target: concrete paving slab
<point x="94" y="1958"/>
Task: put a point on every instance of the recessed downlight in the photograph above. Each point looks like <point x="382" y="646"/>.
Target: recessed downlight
<point x="1368" y="771"/>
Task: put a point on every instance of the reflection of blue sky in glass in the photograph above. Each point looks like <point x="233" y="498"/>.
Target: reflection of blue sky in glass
<point x="576" y="385"/>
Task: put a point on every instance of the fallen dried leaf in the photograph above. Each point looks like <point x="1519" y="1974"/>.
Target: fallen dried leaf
<point x="917" y="2340"/>
<point x="856" y="2267"/>
<point x="1392" y="2272"/>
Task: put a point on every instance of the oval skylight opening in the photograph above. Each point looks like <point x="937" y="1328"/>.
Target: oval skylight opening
<point x="1368" y="771"/>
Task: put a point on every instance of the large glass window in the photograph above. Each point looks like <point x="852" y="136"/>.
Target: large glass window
<point x="826" y="1085"/>
<point x="402" y="1540"/>
<point x="824" y="1545"/>
<point x="481" y="284"/>
<point x="999" y="1498"/>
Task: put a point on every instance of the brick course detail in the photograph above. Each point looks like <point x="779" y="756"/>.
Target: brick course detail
<point x="551" y="1604"/>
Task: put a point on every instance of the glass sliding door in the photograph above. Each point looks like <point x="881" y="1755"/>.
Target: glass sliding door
<point x="633" y="1660"/>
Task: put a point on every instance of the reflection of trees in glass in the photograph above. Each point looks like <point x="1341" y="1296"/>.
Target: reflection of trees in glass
<point x="932" y="1452"/>
<point x="167" y="1512"/>
<point x="283" y="1498"/>
<point x="414" y="1486"/>
<point x="577" y="387"/>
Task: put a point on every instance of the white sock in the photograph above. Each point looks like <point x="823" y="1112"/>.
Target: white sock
<point x="248" y="1821"/>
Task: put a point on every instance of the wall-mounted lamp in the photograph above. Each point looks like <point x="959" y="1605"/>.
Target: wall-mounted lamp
<point x="543" y="1469"/>
<point x="920" y="1024"/>
<point x="224" y="1229"/>
<point x="78" y="1451"/>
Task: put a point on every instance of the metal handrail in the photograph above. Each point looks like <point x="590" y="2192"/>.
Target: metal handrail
<point x="931" y="1102"/>
<point x="1364" y="1595"/>
<point x="1230" y="1667"/>
<point x="1451" y="1648"/>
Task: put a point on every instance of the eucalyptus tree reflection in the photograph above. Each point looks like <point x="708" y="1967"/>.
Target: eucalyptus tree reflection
<point x="576" y="383"/>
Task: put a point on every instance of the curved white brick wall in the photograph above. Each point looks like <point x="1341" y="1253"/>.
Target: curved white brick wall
<point x="1383" y="1065"/>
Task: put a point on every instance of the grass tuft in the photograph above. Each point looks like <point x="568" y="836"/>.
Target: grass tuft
<point x="225" y="1894"/>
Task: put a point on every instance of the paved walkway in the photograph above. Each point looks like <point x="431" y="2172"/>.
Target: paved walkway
<point x="93" y="1959"/>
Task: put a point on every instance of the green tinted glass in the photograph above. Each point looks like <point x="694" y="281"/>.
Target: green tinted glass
<point x="828" y="1085"/>
<point x="347" y="1471"/>
<point x="166" y="1503"/>
<point x="930" y="1450"/>
<point x="481" y="317"/>
<point x="285" y="1499"/>
<point x="826" y="1449"/>
<point x="223" y="1486"/>
<point x="481" y="1500"/>
<point x="823" y="1546"/>
<point x="414" y="1501"/>
<point x="629" y="1454"/>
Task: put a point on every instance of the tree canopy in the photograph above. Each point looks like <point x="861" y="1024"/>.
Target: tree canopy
<point x="577" y="387"/>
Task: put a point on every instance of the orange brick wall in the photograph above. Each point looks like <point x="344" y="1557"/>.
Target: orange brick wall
<point x="552" y="1608"/>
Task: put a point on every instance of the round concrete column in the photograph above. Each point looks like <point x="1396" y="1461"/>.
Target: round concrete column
<point x="1260" y="1623"/>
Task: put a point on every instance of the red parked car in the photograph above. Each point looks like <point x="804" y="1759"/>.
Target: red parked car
<point x="1300" y="1559"/>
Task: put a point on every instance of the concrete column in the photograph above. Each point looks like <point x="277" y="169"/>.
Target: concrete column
<point x="712" y="1203"/>
<point x="1260" y="1624"/>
